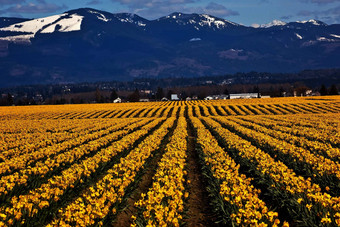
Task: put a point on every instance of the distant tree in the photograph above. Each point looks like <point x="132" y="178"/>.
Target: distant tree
<point x="282" y="92"/>
<point x="301" y="90"/>
<point x="33" y="102"/>
<point x="226" y="91"/>
<point x="256" y="89"/>
<point x="99" y="97"/>
<point x="10" y="100"/>
<point x="323" y="90"/>
<point x="58" y="101"/>
<point x="159" y="93"/>
<point x="333" y="90"/>
<point x="169" y="94"/>
<point x="134" y="97"/>
<point x="183" y="95"/>
<point x="113" y="95"/>
<point x="22" y="101"/>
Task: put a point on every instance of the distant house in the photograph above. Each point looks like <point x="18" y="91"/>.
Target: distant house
<point x="174" y="97"/>
<point x="216" y="97"/>
<point x="309" y="92"/>
<point x="244" y="96"/>
<point x="117" y="100"/>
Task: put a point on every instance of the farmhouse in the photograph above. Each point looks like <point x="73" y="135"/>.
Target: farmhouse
<point x="174" y="97"/>
<point x="245" y="96"/>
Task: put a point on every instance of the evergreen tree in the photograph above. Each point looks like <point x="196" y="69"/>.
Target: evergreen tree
<point x="135" y="96"/>
<point x="170" y="92"/>
<point x="333" y="90"/>
<point x="113" y="95"/>
<point x="323" y="90"/>
<point x="226" y="91"/>
<point x="282" y="92"/>
<point x="159" y="93"/>
<point x="256" y="89"/>
<point x="97" y="96"/>
<point x="10" y="100"/>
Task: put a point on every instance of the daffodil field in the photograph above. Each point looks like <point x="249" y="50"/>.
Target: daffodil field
<point x="254" y="162"/>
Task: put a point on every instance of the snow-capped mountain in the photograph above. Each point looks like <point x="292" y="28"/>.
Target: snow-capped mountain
<point x="61" y="23"/>
<point x="273" y="23"/>
<point x="308" y="23"/>
<point x="70" y="21"/>
<point x="198" y="20"/>
<point x="91" y="45"/>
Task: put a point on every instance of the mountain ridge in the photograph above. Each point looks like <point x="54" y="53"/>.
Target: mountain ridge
<point x="91" y="45"/>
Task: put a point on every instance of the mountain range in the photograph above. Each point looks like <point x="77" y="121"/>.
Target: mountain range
<point x="91" y="45"/>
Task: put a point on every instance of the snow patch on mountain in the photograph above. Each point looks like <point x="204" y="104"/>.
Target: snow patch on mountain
<point x="201" y="20"/>
<point x="141" y="24"/>
<point x="32" y="26"/>
<point x="314" y="22"/>
<point x="324" y="39"/>
<point x="18" y="38"/>
<point x="131" y="18"/>
<point x="126" y="17"/>
<point x="62" y="23"/>
<point x="335" y="36"/>
<point x="219" y="23"/>
<point x="208" y="20"/>
<point x="298" y="36"/>
<point x="273" y="23"/>
<point x="195" y="39"/>
<point x="100" y="16"/>
<point x="72" y="23"/>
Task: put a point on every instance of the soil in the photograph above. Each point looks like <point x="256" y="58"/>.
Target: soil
<point x="199" y="210"/>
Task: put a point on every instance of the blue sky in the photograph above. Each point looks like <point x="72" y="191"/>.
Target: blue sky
<point x="247" y="12"/>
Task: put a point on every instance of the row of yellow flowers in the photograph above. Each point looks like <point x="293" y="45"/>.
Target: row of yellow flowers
<point x="28" y="205"/>
<point x="16" y="130"/>
<point x="323" y="107"/>
<point x="261" y="109"/>
<point x="272" y="140"/>
<point x="324" y="135"/>
<point x="279" y="132"/>
<point x="163" y="205"/>
<point x="19" y="126"/>
<point x="31" y="143"/>
<point x="311" y="120"/>
<point x="325" y="131"/>
<point x="154" y="112"/>
<point x="102" y="198"/>
<point x="244" y="205"/>
<point x="208" y="108"/>
<point x="302" y="190"/>
<point x="23" y="160"/>
<point x="291" y="105"/>
<point x="41" y="168"/>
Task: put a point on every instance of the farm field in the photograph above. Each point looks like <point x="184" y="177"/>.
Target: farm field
<point x="256" y="162"/>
